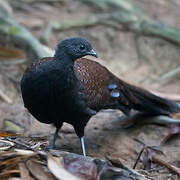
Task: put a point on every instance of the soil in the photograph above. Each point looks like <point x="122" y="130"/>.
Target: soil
<point x="137" y="59"/>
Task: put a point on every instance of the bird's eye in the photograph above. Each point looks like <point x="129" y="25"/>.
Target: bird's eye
<point x="82" y="47"/>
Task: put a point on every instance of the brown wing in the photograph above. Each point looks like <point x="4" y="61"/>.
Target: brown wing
<point x="95" y="80"/>
<point x="104" y="90"/>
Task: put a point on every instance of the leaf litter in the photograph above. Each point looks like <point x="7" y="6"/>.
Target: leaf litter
<point x="26" y="157"/>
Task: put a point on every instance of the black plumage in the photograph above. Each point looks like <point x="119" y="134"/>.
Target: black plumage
<point x="70" y="88"/>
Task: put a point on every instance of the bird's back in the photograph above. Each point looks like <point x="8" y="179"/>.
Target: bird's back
<point x="95" y="83"/>
<point x="104" y="90"/>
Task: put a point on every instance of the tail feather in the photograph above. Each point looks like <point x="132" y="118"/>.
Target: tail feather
<point x="150" y="103"/>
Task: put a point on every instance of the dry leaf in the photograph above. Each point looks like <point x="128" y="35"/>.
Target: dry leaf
<point x="24" y="152"/>
<point x="14" y="178"/>
<point x="24" y="172"/>
<point x="11" y="161"/>
<point x="56" y="167"/>
<point x="9" y="173"/>
<point x="38" y="170"/>
<point x="4" y="144"/>
<point x="9" y="125"/>
<point x="176" y="116"/>
<point x="11" y="53"/>
<point x="6" y="134"/>
<point x="81" y="168"/>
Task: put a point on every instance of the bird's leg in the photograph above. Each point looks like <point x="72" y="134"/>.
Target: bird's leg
<point x="83" y="146"/>
<point x="52" y="142"/>
<point x="80" y="133"/>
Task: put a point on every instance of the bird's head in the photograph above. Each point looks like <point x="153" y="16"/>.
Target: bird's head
<point x="74" y="48"/>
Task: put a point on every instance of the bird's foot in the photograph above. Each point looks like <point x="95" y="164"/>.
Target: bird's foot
<point x="51" y="144"/>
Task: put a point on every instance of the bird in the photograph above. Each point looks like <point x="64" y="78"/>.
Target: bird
<point x="72" y="88"/>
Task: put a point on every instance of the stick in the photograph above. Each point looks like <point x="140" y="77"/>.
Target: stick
<point x="16" y="32"/>
<point x="127" y="15"/>
<point x="167" y="165"/>
<point x="5" y="98"/>
<point x="170" y="74"/>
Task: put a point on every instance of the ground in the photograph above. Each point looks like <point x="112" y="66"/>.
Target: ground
<point x="140" y="60"/>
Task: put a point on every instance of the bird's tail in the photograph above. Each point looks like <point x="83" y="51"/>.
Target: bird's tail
<point x="147" y="102"/>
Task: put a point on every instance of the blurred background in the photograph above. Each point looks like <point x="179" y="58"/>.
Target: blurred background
<point x="137" y="40"/>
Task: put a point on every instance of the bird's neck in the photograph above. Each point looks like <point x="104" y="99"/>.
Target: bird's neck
<point x="63" y="58"/>
<point x="61" y="55"/>
<point x="66" y="65"/>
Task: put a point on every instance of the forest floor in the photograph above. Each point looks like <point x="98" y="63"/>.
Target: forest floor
<point x="140" y="60"/>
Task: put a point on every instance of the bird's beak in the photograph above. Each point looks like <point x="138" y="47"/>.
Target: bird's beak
<point x="92" y="53"/>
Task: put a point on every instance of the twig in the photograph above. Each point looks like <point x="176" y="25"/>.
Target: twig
<point x="82" y="22"/>
<point x="118" y="164"/>
<point x="19" y="33"/>
<point x="45" y="1"/>
<point x="164" y="120"/>
<point x="5" y="98"/>
<point x="139" y="156"/>
<point x="18" y="143"/>
<point x="141" y="118"/>
<point x="167" y="165"/>
<point x="170" y="74"/>
<point x="154" y="148"/>
<point x="132" y="22"/>
<point x="129" y="16"/>
<point x="120" y="4"/>
<point x="173" y="131"/>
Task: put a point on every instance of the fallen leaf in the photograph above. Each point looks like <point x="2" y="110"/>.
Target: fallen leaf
<point x="24" y="152"/>
<point x="56" y="167"/>
<point x="11" y="161"/>
<point x="24" y="172"/>
<point x="9" y="125"/>
<point x="81" y="168"/>
<point x="7" y="174"/>
<point x="38" y="170"/>
<point x="11" y="53"/>
<point x="15" y="178"/>
<point x="6" y="134"/>
<point x="176" y="116"/>
<point x="4" y="144"/>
